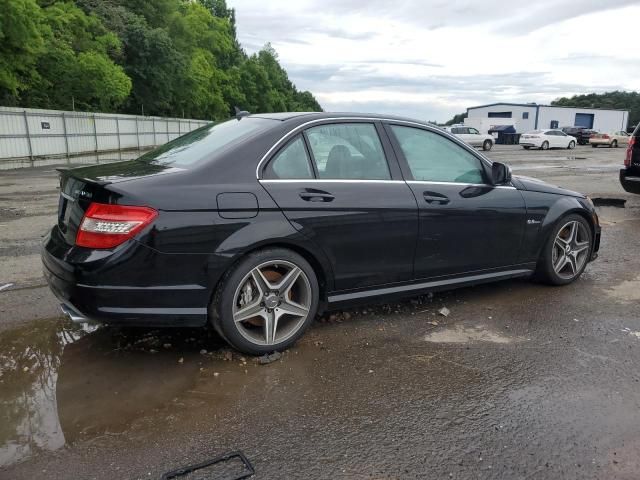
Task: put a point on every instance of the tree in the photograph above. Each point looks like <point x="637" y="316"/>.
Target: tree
<point x="459" y="118"/>
<point x="21" y="43"/>
<point x="160" y="57"/>
<point x="613" y="100"/>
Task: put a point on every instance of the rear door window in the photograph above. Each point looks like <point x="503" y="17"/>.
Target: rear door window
<point x="348" y="151"/>
<point x="291" y="162"/>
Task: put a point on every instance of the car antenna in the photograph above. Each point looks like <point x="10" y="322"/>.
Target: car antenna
<point x="241" y="113"/>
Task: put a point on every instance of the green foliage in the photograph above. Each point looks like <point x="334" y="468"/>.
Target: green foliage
<point x="613" y="100"/>
<point x="160" y="57"/>
<point x="459" y="118"/>
<point x="21" y="43"/>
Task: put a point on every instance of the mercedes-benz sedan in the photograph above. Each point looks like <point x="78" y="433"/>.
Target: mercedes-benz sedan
<point x="257" y="223"/>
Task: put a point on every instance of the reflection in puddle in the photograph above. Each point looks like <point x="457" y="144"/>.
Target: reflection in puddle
<point x="627" y="291"/>
<point x="464" y="334"/>
<point x="60" y="383"/>
<point x="29" y="361"/>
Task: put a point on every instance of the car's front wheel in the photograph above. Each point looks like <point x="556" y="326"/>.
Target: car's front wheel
<point x="545" y="145"/>
<point x="614" y="144"/>
<point x="266" y="302"/>
<point x="572" y="145"/>
<point x="566" y="252"/>
<point x="486" y="146"/>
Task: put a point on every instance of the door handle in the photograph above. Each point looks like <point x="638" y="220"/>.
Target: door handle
<point x="311" y="195"/>
<point x="433" y="197"/>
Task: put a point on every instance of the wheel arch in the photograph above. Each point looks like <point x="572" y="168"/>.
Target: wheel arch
<point x="321" y="268"/>
<point x="559" y="211"/>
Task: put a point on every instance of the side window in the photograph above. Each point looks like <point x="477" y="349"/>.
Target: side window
<point x="434" y="158"/>
<point x="456" y="131"/>
<point x="473" y="131"/>
<point x="350" y="151"/>
<point x="525" y="115"/>
<point x="291" y="162"/>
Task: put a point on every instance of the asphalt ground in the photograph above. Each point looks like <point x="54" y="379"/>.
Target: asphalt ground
<point x="520" y="380"/>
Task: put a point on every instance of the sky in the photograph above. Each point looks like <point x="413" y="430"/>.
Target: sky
<point x="432" y="59"/>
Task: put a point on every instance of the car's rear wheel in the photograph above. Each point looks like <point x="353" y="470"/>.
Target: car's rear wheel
<point x="545" y="145"/>
<point x="486" y="146"/>
<point x="594" y="145"/>
<point x="526" y="148"/>
<point x="614" y="144"/>
<point x="572" y="145"/>
<point x="566" y="252"/>
<point x="266" y="302"/>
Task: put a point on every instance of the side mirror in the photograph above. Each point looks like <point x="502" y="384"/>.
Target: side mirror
<point x="500" y="173"/>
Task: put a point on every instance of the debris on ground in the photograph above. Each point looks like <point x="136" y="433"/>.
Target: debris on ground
<point x="228" y="356"/>
<point x="203" y="352"/>
<point x="269" y="358"/>
<point x="444" y="311"/>
<point x="5" y="286"/>
<point x="434" y="323"/>
<point x="181" y="360"/>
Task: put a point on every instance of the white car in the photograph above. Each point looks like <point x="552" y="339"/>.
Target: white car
<point x="472" y="136"/>
<point x="546" y="139"/>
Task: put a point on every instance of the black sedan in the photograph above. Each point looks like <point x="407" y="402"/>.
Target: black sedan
<point x="257" y="223"/>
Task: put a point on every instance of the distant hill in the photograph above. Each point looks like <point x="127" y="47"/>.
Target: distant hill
<point x="617" y="100"/>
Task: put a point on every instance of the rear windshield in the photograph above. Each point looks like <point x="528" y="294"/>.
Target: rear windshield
<point x="194" y="146"/>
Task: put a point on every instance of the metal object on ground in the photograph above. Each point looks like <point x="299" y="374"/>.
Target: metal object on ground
<point x="248" y="469"/>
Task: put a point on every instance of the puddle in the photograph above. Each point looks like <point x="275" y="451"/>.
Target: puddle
<point x="60" y="383"/>
<point x="465" y="334"/>
<point x="609" y="202"/>
<point x="627" y="291"/>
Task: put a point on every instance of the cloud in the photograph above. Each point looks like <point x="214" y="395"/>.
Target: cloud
<point x="434" y="58"/>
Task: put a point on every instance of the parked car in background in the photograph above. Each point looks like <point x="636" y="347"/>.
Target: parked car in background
<point x="472" y="136"/>
<point x="630" y="174"/>
<point x="257" y="223"/>
<point x="609" y="139"/>
<point x="545" y="139"/>
<point x="581" y="134"/>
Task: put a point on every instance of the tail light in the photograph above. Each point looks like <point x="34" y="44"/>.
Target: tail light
<point x="629" y="154"/>
<point x="107" y="226"/>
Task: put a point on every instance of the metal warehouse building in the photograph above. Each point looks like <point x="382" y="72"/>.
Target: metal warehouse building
<point x="525" y="117"/>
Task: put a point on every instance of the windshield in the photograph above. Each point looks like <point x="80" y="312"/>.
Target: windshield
<point x="189" y="149"/>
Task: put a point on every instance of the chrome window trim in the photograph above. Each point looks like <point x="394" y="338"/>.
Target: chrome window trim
<point x="462" y="184"/>
<point x="316" y="180"/>
<point x="305" y="125"/>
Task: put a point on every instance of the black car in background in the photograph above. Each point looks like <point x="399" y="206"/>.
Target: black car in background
<point x="581" y="134"/>
<point x="257" y="223"/>
<point x="630" y="174"/>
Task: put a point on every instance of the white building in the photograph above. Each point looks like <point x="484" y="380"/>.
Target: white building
<point x="525" y="117"/>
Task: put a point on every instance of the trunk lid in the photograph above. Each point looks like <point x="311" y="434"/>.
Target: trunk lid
<point x="83" y="185"/>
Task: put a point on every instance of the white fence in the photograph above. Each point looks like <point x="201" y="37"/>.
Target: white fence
<point x="35" y="134"/>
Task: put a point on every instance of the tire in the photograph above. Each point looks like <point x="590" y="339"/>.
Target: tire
<point x="594" y="145"/>
<point x="545" y="271"/>
<point x="526" y="148"/>
<point x="544" y="146"/>
<point x="614" y="144"/>
<point x="486" y="146"/>
<point x="240" y="284"/>
<point x="572" y="145"/>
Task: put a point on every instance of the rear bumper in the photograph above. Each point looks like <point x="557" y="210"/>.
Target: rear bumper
<point x="629" y="181"/>
<point x="128" y="286"/>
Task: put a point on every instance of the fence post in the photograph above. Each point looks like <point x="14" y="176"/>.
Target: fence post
<point x="155" y="141"/>
<point x="118" y="134"/>
<point x="95" y="132"/>
<point x="66" y="136"/>
<point x="26" y="126"/>
<point x="137" y="134"/>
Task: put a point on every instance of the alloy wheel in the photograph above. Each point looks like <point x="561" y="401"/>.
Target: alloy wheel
<point x="570" y="250"/>
<point x="272" y="302"/>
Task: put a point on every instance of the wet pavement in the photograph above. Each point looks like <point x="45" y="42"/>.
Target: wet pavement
<point x="520" y="380"/>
